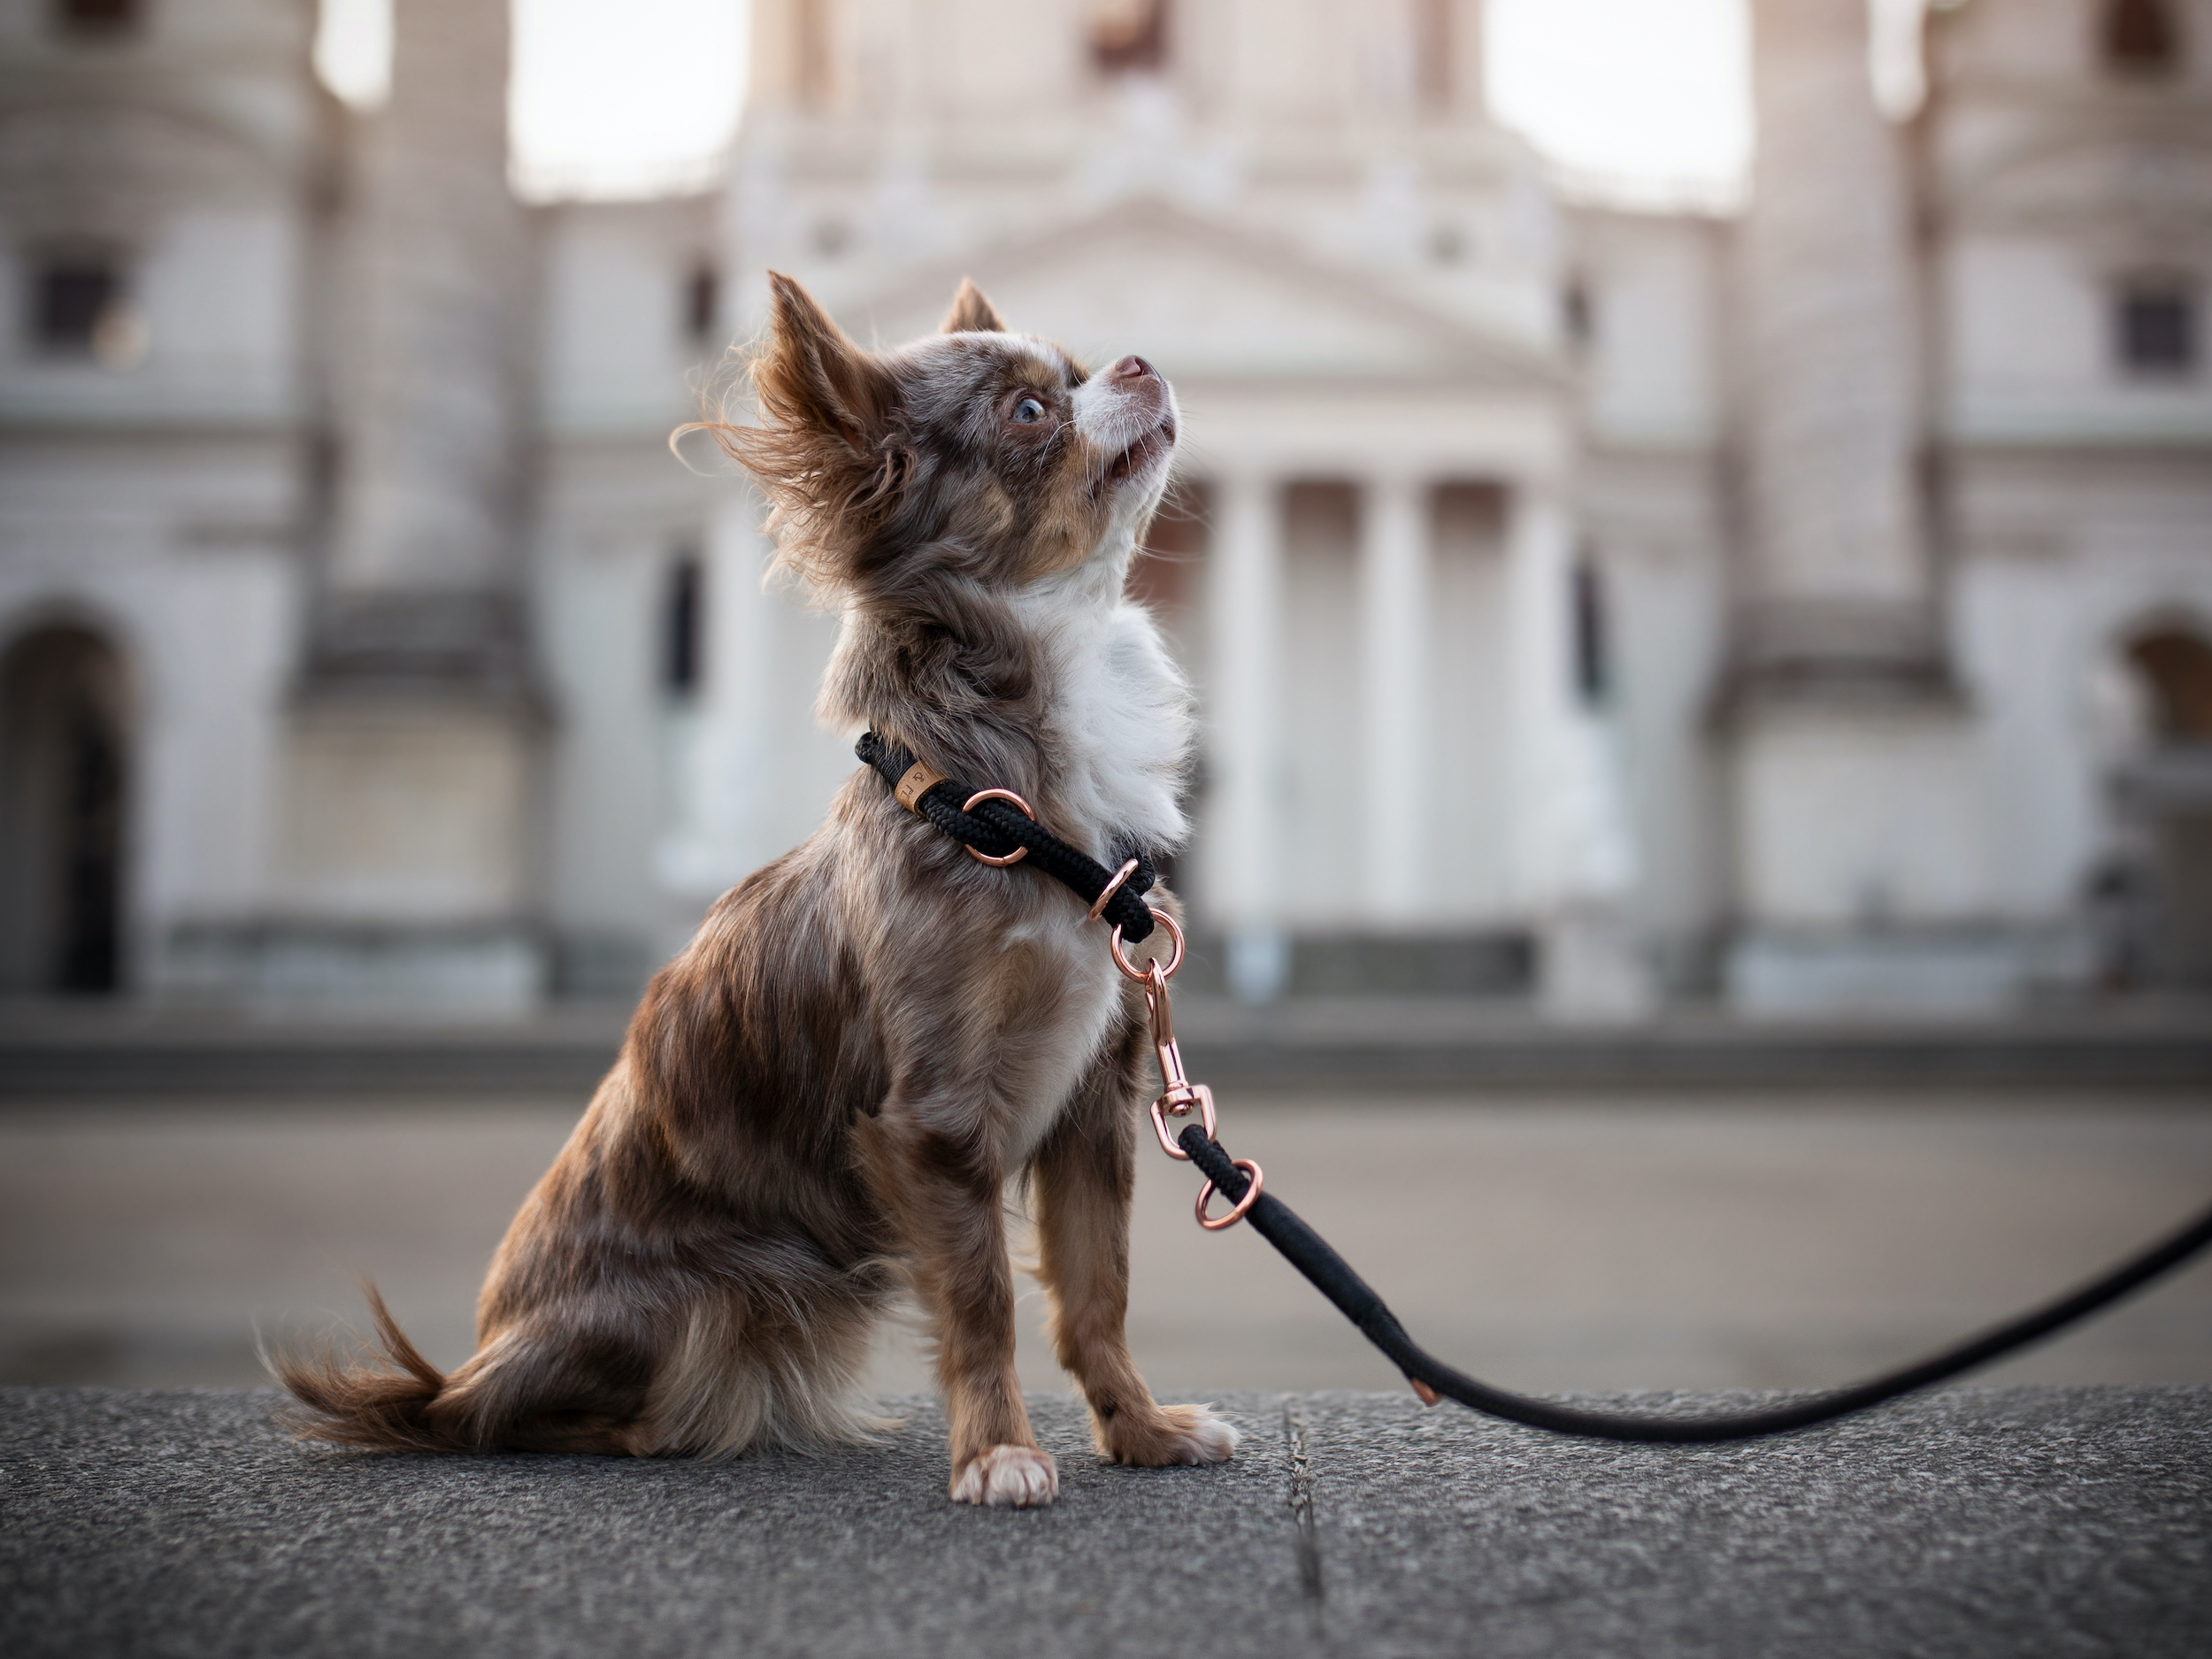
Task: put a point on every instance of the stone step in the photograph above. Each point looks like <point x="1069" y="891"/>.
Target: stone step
<point x="55" y="1052"/>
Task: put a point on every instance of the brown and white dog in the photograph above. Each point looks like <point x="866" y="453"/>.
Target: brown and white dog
<point x="832" y="1091"/>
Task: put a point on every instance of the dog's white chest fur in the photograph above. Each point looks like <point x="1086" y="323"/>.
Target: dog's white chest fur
<point x="1120" y="716"/>
<point x="1120" y="721"/>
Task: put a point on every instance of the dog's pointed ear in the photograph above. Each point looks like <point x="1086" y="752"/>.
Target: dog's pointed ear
<point x="811" y="376"/>
<point x="972" y="313"/>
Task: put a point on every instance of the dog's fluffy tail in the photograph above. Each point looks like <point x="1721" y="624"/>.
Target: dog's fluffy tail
<point x="370" y="1407"/>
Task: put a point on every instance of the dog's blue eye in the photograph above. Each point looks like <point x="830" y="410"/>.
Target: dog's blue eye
<point x="1028" y="409"/>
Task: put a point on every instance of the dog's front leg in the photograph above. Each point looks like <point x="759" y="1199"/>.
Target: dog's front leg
<point x="945" y="1191"/>
<point x="1085" y="1176"/>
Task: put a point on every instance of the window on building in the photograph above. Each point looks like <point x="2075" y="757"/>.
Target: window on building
<point x="2154" y="324"/>
<point x="74" y="297"/>
<point x="1578" y="312"/>
<point x="97" y="17"/>
<point x="64" y="769"/>
<point x="702" y="302"/>
<point x="1593" y="635"/>
<point x="682" y="628"/>
<point x="2175" y="665"/>
<point x="2141" y="37"/>
<point x="1129" y="36"/>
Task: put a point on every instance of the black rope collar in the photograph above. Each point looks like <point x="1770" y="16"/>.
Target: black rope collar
<point x="998" y="827"/>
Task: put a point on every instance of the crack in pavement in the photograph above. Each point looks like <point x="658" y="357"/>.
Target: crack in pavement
<point x="1306" y="1539"/>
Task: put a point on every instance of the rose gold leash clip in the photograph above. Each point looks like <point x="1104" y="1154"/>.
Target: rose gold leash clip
<point x="1019" y="853"/>
<point x="1179" y="1095"/>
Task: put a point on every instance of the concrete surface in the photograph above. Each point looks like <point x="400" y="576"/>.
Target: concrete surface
<point x="1610" y="1241"/>
<point x="2016" y="1523"/>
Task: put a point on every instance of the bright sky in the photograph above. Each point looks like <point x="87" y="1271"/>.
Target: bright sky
<point x="1650" y="96"/>
<point x="1646" y="96"/>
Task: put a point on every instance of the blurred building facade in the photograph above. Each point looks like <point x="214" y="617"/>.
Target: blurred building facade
<point x="1811" y="605"/>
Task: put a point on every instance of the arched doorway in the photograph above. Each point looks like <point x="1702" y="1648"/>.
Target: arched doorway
<point x="2166" y="792"/>
<point x="63" y="764"/>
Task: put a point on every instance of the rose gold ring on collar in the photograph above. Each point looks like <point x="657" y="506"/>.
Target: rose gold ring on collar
<point x="1112" y="887"/>
<point x="1019" y="853"/>
<point x="1173" y="962"/>
<point x="1251" y="1193"/>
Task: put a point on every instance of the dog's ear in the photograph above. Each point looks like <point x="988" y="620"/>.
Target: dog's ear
<point x="828" y="449"/>
<point x="972" y="313"/>
<point x="811" y="378"/>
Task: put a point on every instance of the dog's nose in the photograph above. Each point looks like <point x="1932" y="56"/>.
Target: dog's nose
<point x="1130" y="368"/>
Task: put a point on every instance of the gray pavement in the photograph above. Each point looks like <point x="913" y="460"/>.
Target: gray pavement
<point x="2014" y="1521"/>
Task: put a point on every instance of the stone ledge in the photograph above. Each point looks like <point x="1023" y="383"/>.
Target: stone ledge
<point x="1997" y="1522"/>
<point x="51" y="1052"/>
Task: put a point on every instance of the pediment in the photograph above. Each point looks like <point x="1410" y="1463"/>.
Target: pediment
<point x="1201" y="300"/>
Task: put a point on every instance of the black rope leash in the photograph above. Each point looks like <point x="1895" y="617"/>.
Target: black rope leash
<point x="998" y="830"/>
<point x="1307" y="1251"/>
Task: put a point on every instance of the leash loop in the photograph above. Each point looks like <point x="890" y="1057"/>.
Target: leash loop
<point x="1140" y="974"/>
<point x="1243" y="1205"/>
<point x="1019" y="853"/>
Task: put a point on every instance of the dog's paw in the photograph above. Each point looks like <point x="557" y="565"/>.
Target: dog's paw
<point x="1008" y="1477"/>
<point x="1167" y="1435"/>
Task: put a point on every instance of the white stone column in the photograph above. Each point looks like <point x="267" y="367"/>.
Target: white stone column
<point x="431" y="409"/>
<point x="1394" y="617"/>
<point x="1574" y="848"/>
<point x="1859" y="833"/>
<point x="1825" y="317"/>
<point x="720" y="754"/>
<point x="412" y="804"/>
<point x="1539" y="544"/>
<point x="1243" y="852"/>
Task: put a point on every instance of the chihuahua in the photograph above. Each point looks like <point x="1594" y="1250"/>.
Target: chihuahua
<point x="829" y="1094"/>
